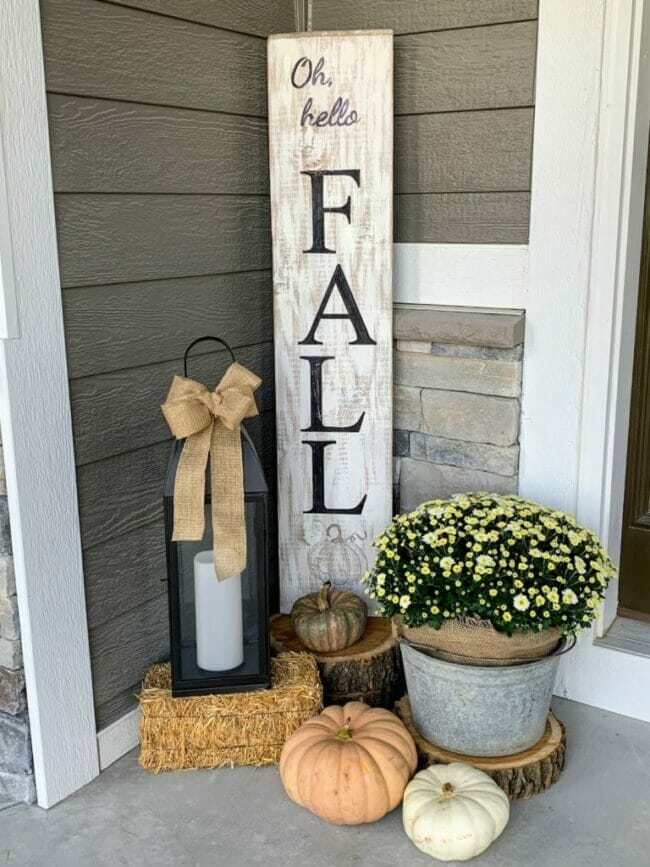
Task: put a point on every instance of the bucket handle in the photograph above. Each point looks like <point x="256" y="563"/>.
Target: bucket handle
<point x="570" y="642"/>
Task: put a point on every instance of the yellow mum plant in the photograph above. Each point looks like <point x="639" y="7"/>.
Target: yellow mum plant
<point x="503" y="559"/>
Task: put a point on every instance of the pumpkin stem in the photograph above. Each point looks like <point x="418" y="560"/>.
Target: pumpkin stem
<point x="447" y="791"/>
<point x="337" y="528"/>
<point x="345" y="734"/>
<point x="324" y="596"/>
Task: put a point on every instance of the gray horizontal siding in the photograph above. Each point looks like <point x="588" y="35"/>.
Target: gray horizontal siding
<point x="131" y="485"/>
<point x="135" y="573"/>
<point x="472" y="68"/>
<point x="106" y="238"/>
<point x="131" y="324"/>
<point x="438" y="152"/>
<point x="125" y="399"/>
<point x="413" y="16"/>
<point x="105" y="146"/>
<point x="470" y="218"/>
<point x="93" y="48"/>
<point x="257" y="17"/>
<point x="159" y="161"/>
<point x="121" y="494"/>
<point x="122" y="650"/>
<point x="464" y="95"/>
<point x="473" y="151"/>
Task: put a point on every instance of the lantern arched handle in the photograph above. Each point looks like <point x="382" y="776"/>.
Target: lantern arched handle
<point x="202" y="340"/>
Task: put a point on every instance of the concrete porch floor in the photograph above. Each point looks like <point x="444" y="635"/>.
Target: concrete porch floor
<point x="598" y="814"/>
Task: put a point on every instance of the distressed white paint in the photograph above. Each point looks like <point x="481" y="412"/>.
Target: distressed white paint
<point x="118" y="738"/>
<point x="461" y="275"/>
<point x="358" y="379"/>
<point x="37" y="434"/>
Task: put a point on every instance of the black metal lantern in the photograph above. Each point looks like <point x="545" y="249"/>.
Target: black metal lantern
<point x="219" y="630"/>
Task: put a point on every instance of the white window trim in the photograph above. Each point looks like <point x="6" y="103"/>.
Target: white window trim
<point x="576" y="208"/>
<point x="461" y="275"/>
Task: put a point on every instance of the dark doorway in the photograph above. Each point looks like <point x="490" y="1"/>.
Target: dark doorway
<point x="634" y="597"/>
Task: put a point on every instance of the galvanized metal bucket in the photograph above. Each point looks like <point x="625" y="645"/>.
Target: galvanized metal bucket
<point x="480" y="711"/>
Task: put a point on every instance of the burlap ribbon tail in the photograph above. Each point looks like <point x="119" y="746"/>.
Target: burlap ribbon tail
<point x="209" y="421"/>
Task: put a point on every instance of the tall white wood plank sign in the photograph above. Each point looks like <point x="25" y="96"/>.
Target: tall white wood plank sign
<point x="331" y="153"/>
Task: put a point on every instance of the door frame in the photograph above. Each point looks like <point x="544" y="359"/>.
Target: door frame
<point x="601" y="675"/>
<point x="636" y="511"/>
<point x="584" y="235"/>
<point x="615" y="265"/>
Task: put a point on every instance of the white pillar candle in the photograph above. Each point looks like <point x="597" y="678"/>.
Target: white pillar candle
<point x="219" y="617"/>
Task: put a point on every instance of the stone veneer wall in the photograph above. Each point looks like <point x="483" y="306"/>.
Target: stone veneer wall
<point x="16" y="771"/>
<point x="457" y="402"/>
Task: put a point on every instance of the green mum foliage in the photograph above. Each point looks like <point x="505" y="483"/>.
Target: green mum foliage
<point x="504" y="559"/>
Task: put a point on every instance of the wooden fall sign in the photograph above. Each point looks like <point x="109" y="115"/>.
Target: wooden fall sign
<point x="331" y="159"/>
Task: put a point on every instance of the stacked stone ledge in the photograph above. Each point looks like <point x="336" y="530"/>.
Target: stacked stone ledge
<point x="16" y="772"/>
<point x="456" y="402"/>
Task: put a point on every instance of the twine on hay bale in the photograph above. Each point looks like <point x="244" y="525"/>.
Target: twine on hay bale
<point x="244" y="728"/>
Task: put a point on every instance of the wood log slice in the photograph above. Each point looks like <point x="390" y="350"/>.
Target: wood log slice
<point x="521" y="775"/>
<point x="369" y="670"/>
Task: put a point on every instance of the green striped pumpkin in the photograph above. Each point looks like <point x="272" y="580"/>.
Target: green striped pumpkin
<point x="329" y="619"/>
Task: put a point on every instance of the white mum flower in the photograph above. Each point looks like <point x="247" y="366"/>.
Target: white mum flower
<point x="569" y="597"/>
<point x="581" y="567"/>
<point x="521" y="602"/>
<point x="485" y="561"/>
<point x="405" y="601"/>
<point x="446" y="563"/>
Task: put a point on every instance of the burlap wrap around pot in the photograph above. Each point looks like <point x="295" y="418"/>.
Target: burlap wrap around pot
<point x="477" y="642"/>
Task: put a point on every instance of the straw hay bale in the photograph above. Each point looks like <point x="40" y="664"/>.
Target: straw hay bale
<point x="209" y="731"/>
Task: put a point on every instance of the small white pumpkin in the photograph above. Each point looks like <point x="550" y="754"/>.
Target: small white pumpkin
<point x="453" y="812"/>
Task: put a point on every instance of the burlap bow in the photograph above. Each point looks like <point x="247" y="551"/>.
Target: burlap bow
<point x="210" y="422"/>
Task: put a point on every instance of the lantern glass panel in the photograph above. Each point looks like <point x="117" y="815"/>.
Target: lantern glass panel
<point x="219" y="630"/>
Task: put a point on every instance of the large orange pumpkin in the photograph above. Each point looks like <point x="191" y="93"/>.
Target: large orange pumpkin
<point x="350" y="764"/>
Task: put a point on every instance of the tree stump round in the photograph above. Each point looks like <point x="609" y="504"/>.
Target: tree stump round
<point x="520" y="776"/>
<point x="370" y="670"/>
